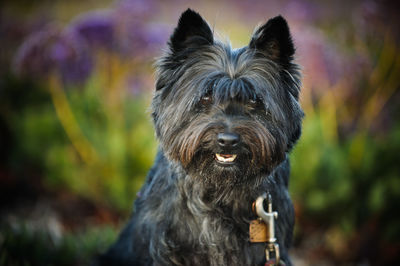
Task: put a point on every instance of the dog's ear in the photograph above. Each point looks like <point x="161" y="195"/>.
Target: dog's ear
<point x="192" y="31"/>
<point x="273" y="40"/>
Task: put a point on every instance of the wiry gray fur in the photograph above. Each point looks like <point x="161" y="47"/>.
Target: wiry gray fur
<point x="192" y="210"/>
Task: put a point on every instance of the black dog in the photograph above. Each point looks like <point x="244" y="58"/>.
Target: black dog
<point x="226" y="120"/>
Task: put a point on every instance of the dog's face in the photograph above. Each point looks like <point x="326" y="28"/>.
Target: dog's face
<point x="227" y="115"/>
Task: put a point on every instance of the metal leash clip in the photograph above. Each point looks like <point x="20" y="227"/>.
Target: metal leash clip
<point x="269" y="219"/>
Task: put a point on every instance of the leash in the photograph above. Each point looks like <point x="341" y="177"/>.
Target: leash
<point x="263" y="230"/>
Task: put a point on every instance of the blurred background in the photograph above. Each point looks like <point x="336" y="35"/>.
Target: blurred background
<point x="76" y="140"/>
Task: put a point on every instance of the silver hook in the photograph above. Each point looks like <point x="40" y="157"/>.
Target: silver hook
<point x="269" y="219"/>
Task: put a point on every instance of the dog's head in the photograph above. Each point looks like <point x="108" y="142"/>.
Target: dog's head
<point x="227" y="113"/>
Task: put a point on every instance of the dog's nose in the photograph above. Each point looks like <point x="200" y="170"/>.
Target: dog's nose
<point x="228" y="139"/>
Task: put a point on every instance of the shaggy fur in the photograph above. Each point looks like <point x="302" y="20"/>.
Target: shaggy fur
<point x="194" y="210"/>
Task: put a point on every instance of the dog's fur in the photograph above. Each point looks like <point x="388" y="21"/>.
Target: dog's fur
<point x="194" y="210"/>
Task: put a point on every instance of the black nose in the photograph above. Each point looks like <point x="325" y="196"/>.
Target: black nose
<point x="228" y="139"/>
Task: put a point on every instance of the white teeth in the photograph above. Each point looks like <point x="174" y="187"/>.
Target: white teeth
<point x="225" y="158"/>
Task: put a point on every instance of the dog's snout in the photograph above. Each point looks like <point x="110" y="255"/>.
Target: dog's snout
<point x="228" y="139"/>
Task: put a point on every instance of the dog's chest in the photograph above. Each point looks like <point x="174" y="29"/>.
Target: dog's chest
<point x="215" y="239"/>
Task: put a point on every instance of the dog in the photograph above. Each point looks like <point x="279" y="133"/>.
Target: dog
<point x="226" y="120"/>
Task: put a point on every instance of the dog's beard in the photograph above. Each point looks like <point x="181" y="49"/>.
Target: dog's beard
<point x="219" y="185"/>
<point x="205" y="166"/>
<point x="257" y="154"/>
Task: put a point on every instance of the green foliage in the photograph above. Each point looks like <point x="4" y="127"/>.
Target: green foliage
<point x="22" y="246"/>
<point x="120" y="135"/>
<point x="125" y="150"/>
<point x="346" y="181"/>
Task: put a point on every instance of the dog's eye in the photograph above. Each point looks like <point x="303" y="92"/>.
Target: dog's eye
<point x="206" y="99"/>
<point x="255" y="102"/>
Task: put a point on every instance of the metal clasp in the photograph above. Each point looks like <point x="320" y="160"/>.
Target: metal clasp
<point x="269" y="219"/>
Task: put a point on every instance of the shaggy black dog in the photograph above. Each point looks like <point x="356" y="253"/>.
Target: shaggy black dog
<point x="226" y="120"/>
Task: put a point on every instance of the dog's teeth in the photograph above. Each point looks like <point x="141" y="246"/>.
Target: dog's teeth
<point x="225" y="158"/>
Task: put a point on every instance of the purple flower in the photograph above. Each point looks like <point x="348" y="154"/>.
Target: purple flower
<point x="72" y="57"/>
<point x="156" y="34"/>
<point x="301" y="10"/>
<point x="97" y="28"/>
<point x="136" y="9"/>
<point x="318" y="57"/>
<point x="31" y="58"/>
<point x="325" y="63"/>
<point x="52" y="51"/>
<point x="142" y="40"/>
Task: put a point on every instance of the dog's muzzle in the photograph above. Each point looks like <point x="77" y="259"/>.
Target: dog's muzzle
<point x="227" y="141"/>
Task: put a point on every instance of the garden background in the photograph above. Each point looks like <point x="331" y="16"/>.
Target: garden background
<point x="76" y="140"/>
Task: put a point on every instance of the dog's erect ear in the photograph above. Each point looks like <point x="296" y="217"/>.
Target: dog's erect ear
<point x="273" y="39"/>
<point x="192" y="31"/>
